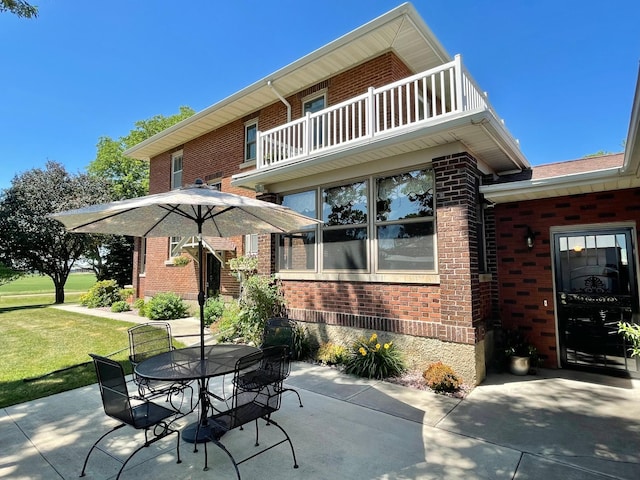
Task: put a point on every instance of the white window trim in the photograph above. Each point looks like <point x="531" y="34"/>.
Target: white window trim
<point x="249" y="161"/>
<point x="320" y="93"/>
<point x="174" y="156"/>
<point x="249" y="241"/>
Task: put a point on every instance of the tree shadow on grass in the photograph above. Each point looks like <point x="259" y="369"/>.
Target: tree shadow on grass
<point x="24" y="307"/>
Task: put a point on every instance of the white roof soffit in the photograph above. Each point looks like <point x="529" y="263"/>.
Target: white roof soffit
<point x="401" y="30"/>
<point x="632" y="146"/>
<point x="579" y="183"/>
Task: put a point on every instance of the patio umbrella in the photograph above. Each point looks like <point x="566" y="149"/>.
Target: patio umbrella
<point x="195" y="210"/>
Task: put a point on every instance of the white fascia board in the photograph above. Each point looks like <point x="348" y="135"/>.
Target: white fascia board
<point x="632" y="146"/>
<point x="554" y="183"/>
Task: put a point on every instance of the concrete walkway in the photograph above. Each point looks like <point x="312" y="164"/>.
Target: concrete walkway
<point x="555" y="425"/>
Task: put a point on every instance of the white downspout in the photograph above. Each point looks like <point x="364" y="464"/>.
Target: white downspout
<point x="282" y="100"/>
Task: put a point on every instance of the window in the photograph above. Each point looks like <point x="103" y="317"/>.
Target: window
<point x="344" y="233"/>
<point x="173" y="245"/>
<point x="142" y="256"/>
<point x="380" y="225"/>
<point x="404" y="221"/>
<point x="297" y="250"/>
<point x="311" y="106"/>
<point x="251" y="245"/>
<point x="176" y="170"/>
<point x="314" y="105"/>
<point x="250" y="140"/>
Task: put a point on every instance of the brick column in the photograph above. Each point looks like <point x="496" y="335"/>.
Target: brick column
<point x="456" y="212"/>
<point x="267" y="243"/>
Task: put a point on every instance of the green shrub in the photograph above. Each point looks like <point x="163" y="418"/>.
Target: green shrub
<point x="103" y="294"/>
<point x="213" y="309"/>
<point x="368" y="358"/>
<point x="228" y="325"/>
<point x="125" y="293"/>
<point x="631" y="332"/>
<point x="332" y="354"/>
<point x="263" y="297"/>
<point x="140" y="306"/>
<point x="441" y="378"/>
<point x="166" y="306"/>
<point x="120" y="306"/>
<point x="245" y="319"/>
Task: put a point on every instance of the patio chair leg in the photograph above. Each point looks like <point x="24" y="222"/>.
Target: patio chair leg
<point x="86" y="460"/>
<point x="147" y="443"/>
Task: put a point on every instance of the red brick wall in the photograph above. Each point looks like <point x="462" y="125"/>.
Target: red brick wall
<point x="525" y="277"/>
<point x="452" y="311"/>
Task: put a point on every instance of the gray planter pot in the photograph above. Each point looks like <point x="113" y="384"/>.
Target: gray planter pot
<point x="519" y="365"/>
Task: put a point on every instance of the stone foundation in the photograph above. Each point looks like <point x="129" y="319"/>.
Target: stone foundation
<point x="419" y="352"/>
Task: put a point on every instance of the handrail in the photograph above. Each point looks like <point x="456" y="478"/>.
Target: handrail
<point x="420" y="98"/>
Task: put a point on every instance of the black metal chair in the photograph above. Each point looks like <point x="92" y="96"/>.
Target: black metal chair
<point x="147" y="340"/>
<point x="117" y="403"/>
<point x="252" y="401"/>
<point x="282" y="331"/>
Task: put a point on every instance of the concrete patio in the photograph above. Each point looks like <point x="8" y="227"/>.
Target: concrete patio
<point x="555" y="425"/>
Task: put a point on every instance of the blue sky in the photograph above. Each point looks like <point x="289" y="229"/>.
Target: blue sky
<point x="561" y="73"/>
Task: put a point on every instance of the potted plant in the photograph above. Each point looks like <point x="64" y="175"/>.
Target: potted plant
<point x="521" y="356"/>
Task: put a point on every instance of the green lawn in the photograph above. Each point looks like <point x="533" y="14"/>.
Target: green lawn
<point x="45" y="350"/>
<point x="39" y="339"/>
<point x="30" y="284"/>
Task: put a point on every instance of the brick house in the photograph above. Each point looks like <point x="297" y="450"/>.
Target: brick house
<point x="389" y="140"/>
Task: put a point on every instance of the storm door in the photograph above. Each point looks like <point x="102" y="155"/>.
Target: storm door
<point x="595" y="289"/>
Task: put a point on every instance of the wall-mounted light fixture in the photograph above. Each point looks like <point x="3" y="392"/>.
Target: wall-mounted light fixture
<point x="259" y="188"/>
<point x="530" y="238"/>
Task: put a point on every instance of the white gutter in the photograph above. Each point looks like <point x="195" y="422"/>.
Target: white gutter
<point x="632" y="146"/>
<point x="282" y="99"/>
<point x="525" y="188"/>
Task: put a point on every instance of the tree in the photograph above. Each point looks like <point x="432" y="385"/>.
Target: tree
<point x="36" y="243"/>
<point x="7" y="274"/>
<point x="128" y="178"/>
<point x="19" y="7"/>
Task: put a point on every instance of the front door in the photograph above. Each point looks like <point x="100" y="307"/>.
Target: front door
<point x="212" y="276"/>
<point x="595" y="289"/>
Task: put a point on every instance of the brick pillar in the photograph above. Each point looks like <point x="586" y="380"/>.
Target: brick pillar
<point x="267" y="243"/>
<point x="456" y="212"/>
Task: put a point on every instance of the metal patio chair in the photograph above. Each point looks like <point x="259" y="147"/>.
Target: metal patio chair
<point x="282" y="331"/>
<point x="147" y="340"/>
<point x="143" y="415"/>
<point x="250" y="402"/>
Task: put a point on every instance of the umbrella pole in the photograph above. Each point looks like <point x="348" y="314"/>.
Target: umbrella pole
<point x="201" y="285"/>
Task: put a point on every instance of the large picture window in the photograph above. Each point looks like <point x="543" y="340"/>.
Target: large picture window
<point x="344" y="233"/>
<point x="380" y="225"/>
<point x="297" y="250"/>
<point x="404" y="221"/>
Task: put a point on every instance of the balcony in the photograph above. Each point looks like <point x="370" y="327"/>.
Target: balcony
<point x="439" y="106"/>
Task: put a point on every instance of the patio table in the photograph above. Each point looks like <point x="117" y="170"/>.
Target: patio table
<point x="188" y="364"/>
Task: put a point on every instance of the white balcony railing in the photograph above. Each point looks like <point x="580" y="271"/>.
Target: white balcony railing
<point x="425" y="97"/>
